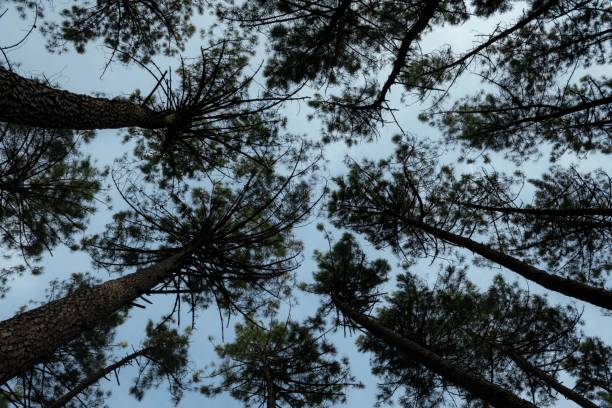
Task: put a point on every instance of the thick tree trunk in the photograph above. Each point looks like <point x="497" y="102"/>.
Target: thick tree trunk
<point x="473" y="384"/>
<point x="578" y="290"/>
<point x="95" y="377"/>
<point x="31" y="337"/>
<point x="553" y="383"/>
<point x="31" y="103"/>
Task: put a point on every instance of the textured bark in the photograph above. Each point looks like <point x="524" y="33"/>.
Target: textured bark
<point x="473" y="384"/>
<point x="553" y="383"/>
<point x="95" y="377"/>
<point x="31" y="103"/>
<point x="578" y="290"/>
<point x="31" y="337"/>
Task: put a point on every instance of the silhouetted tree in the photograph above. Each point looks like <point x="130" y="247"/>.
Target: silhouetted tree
<point x="408" y="203"/>
<point x="286" y="364"/>
<point x="345" y="266"/>
<point x="347" y="43"/>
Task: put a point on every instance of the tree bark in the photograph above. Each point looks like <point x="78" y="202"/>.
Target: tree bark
<point x="597" y="296"/>
<point x="552" y="382"/>
<point x="473" y="384"/>
<point x="31" y="103"/>
<point x="31" y="337"/>
<point x="95" y="377"/>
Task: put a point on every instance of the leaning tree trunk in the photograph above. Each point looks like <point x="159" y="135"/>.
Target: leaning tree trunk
<point x="473" y="384"/>
<point x="95" y="377"/>
<point x="546" y="212"/>
<point x="31" y="103"/>
<point x="597" y="296"/>
<point x="31" y="337"/>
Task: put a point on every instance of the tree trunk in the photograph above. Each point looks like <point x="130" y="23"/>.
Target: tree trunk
<point x="578" y="290"/>
<point x="271" y="392"/>
<point x="31" y="337"/>
<point x="271" y="402"/>
<point x="549" y="212"/>
<point x="95" y="377"/>
<point x="553" y="383"/>
<point x="473" y="384"/>
<point x="410" y="37"/>
<point x="31" y="103"/>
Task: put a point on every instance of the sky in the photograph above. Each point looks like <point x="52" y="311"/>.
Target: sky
<point x="82" y="73"/>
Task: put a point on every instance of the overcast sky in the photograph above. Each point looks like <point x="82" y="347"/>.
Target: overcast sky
<point x="82" y="73"/>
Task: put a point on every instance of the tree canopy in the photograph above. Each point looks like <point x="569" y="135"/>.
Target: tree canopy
<point x="194" y="188"/>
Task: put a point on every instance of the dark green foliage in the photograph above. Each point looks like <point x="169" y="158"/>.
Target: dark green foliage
<point x="139" y="29"/>
<point x="241" y="224"/>
<point x="571" y="119"/>
<point x="482" y="333"/>
<point x="165" y="360"/>
<point x="46" y="189"/>
<point x="285" y="365"/>
<point x="332" y="42"/>
<point x="347" y="273"/>
<point x="592" y="366"/>
<point x="217" y="118"/>
<point x="338" y="43"/>
<point x="348" y="43"/>
<point x="579" y="245"/>
<point x="537" y="97"/>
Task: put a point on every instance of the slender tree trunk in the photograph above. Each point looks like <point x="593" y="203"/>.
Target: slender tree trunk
<point x="271" y="397"/>
<point x="31" y="337"/>
<point x="551" y="212"/>
<point x="473" y="384"/>
<point x="31" y="103"/>
<point x="271" y="403"/>
<point x="95" y="377"/>
<point x="578" y="290"/>
<point x="553" y="383"/>
<point x="413" y="33"/>
<point x="560" y="112"/>
<point x="535" y="14"/>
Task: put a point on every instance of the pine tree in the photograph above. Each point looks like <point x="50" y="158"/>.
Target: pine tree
<point x="220" y="244"/>
<point x="410" y="203"/>
<point x="216" y="185"/>
<point x="435" y="344"/>
<point x="285" y="364"/>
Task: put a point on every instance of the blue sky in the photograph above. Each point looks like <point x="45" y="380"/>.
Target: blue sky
<point x="82" y="73"/>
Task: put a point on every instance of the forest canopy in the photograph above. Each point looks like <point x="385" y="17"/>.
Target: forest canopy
<point x="306" y="203"/>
